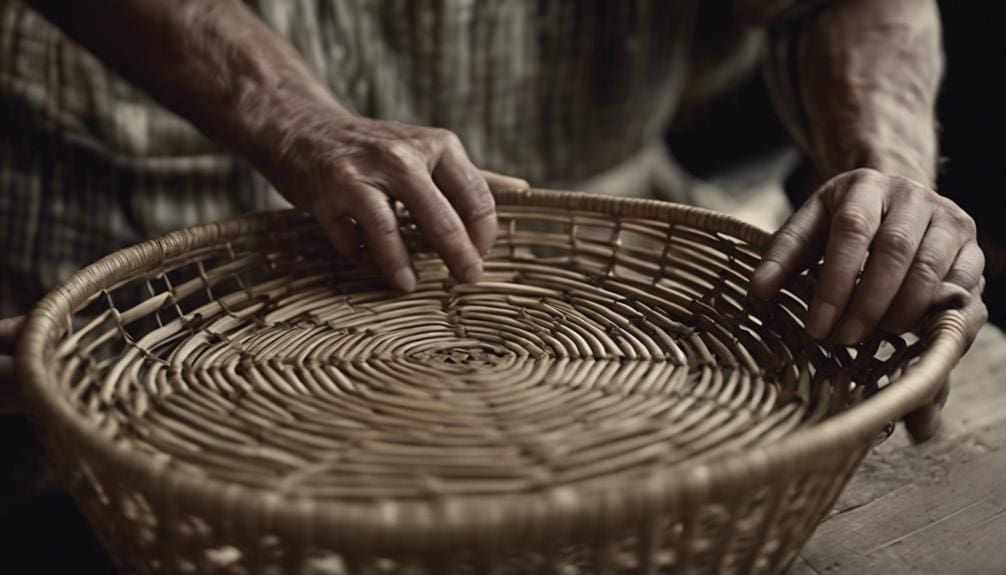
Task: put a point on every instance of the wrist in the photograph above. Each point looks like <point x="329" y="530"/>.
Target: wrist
<point x="287" y="131"/>
<point x="903" y="160"/>
<point x="246" y="86"/>
<point x="890" y="148"/>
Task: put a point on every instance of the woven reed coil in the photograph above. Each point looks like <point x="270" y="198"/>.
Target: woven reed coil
<point x="235" y="398"/>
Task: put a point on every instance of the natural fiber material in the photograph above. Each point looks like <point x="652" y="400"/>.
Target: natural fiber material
<point x="235" y="398"/>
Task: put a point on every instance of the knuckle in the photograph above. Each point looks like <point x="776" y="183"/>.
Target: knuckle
<point x="945" y="203"/>
<point x="927" y="269"/>
<point x="908" y="185"/>
<point x="965" y="222"/>
<point x="960" y="219"/>
<point x="379" y="222"/>
<point x="853" y="222"/>
<point x="968" y="269"/>
<point x="344" y="170"/>
<point x="482" y="207"/>
<point x="444" y="136"/>
<point x="861" y="175"/>
<point x="399" y="154"/>
<point x="964" y="277"/>
<point x="980" y="263"/>
<point x="896" y="243"/>
<point x="790" y="234"/>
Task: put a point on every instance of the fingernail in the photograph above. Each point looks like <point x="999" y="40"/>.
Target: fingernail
<point x="821" y="320"/>
<point x="766" y="272"/>
<point x="405" y="279"/>
<point x="473" y="273"/>
<point x="851" y="332"/>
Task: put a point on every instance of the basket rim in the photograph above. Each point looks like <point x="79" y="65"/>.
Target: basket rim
<point x="421" y="525"/>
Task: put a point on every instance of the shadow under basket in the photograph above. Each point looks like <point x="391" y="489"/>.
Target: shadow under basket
<point x="236" y="398"/>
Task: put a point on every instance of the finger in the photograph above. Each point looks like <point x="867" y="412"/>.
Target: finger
<point x="966" y="271"/>
<point x="950" y="296"/>
<point x="891" y="255"/>
<point x="499" y="182"/>
<point x="924" y="422"/>
<point x="383" y="238"/>
<point x="970" y="305"/>
<point x="344" y="236"/>
<point x="967" y="268"/>
<point x="467" y="190"/>
<point x="932" y="262"/>
<point x="440" y="224"/>
<point x="793" y="248"/>
<point x="975" y="314"/>
<point x="10" y="329"/>
<point x="853" y="226"/>
<point x="340" y="228"/>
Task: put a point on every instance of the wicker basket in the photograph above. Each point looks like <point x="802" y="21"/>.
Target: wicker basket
<point x="234" y="398"/>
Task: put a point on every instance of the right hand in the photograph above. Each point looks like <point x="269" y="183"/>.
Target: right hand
<point x="344" y="169"/>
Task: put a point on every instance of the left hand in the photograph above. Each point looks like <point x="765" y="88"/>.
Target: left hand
<point x="916" y="250"/>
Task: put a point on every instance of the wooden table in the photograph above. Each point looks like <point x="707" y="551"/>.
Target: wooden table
<point x="939" y="507"/>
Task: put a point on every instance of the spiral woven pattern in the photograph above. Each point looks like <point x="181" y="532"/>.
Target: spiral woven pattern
<point x="609" y="345"/>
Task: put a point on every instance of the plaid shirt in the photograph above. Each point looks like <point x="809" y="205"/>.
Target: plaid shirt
<point x="554" y="91"/>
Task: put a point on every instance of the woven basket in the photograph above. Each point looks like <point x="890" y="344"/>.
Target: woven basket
<point x="234" y="398"/>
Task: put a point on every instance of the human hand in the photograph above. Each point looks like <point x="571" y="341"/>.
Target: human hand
<point x="499" y="182"/>
<point x="10" y="395"/>
<point x="916" y="249"/>
<point x="344" y="169"/>
<point x="925" y="421"/>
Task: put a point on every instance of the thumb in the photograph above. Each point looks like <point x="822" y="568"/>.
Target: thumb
<point x="500" y="182"/>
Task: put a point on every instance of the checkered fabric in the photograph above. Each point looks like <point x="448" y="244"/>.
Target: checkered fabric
<point x="552" y="90"/>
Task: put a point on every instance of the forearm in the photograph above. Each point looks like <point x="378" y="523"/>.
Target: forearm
<point x="867" y="76"/>
<point x="212" y="61"/>
<point x="217" y="65"/>
<point x="856" y="82"/>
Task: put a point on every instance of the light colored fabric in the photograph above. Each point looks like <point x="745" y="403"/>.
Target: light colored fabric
<point x="749" y="192"/>
<point x="89" y="164"/>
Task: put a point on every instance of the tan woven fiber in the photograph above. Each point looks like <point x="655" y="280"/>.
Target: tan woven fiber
<point x="234" y="398"/>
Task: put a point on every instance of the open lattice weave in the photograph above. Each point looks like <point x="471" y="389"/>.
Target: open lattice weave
<point x="235" y="398"/>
